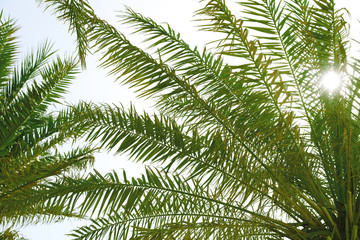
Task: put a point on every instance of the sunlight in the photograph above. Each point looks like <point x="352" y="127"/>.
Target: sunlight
<point x="331" y="80"/>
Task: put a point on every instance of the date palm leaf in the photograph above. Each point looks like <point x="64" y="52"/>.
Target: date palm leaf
<point x="250" y="145"/>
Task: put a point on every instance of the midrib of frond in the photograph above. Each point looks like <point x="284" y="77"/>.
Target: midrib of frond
<point x="271" y="221"/>
<point x="175" y="39"/>
<point x="35" y="180"/>
<point x="262" y="75"/>
<point x="116" y="221"/>
<point x="287" y="58"/>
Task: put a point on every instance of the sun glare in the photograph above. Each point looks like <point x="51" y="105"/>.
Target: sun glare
<point x="331" y="81"/>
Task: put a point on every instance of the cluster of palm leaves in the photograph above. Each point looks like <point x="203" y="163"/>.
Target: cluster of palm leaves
<point x="30" y="135"/>
<point x="249" y="143"/>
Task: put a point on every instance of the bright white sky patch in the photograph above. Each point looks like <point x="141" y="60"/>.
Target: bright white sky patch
<point x="330" y="81"/>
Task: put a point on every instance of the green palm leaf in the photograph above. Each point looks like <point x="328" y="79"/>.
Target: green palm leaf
<point x="248" y="149"/>
<point x="30" y="136"/>
<point x="7" y="47"/>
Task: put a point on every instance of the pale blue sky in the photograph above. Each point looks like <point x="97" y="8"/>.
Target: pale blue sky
<point x="94" y="84"/>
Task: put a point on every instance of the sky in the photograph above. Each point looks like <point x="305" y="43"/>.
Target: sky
<point x="93" y="84"/>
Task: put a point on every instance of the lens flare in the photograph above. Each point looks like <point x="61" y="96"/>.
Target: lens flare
<point x="331" y="81"/>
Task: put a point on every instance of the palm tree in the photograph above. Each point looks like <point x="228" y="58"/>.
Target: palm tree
<point x="251" y="146"/>
<point x="30" y="135"/>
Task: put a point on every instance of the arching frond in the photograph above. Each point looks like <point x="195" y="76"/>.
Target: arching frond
<point x="155" y="200"/>
<point x="264" y="152"/>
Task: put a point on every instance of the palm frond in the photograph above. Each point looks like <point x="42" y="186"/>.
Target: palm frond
<point x="72" y="12"/>
<point x="29" y="69"/>
<point x="8" y="46"/>
<point x="19" y="180"/>
<point x="10" y="234"/>
<point x="35" y="100"/>
<point x="30" y="136"/>
<point x="260" y="146"/>
<point x="143" y="197"/>
<point x="174" y="225"/>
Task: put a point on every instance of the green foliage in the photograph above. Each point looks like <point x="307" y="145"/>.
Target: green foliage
<point x="30" y="135"/>
<point x="250" y="145"/>
<point x="9" y="234"/>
